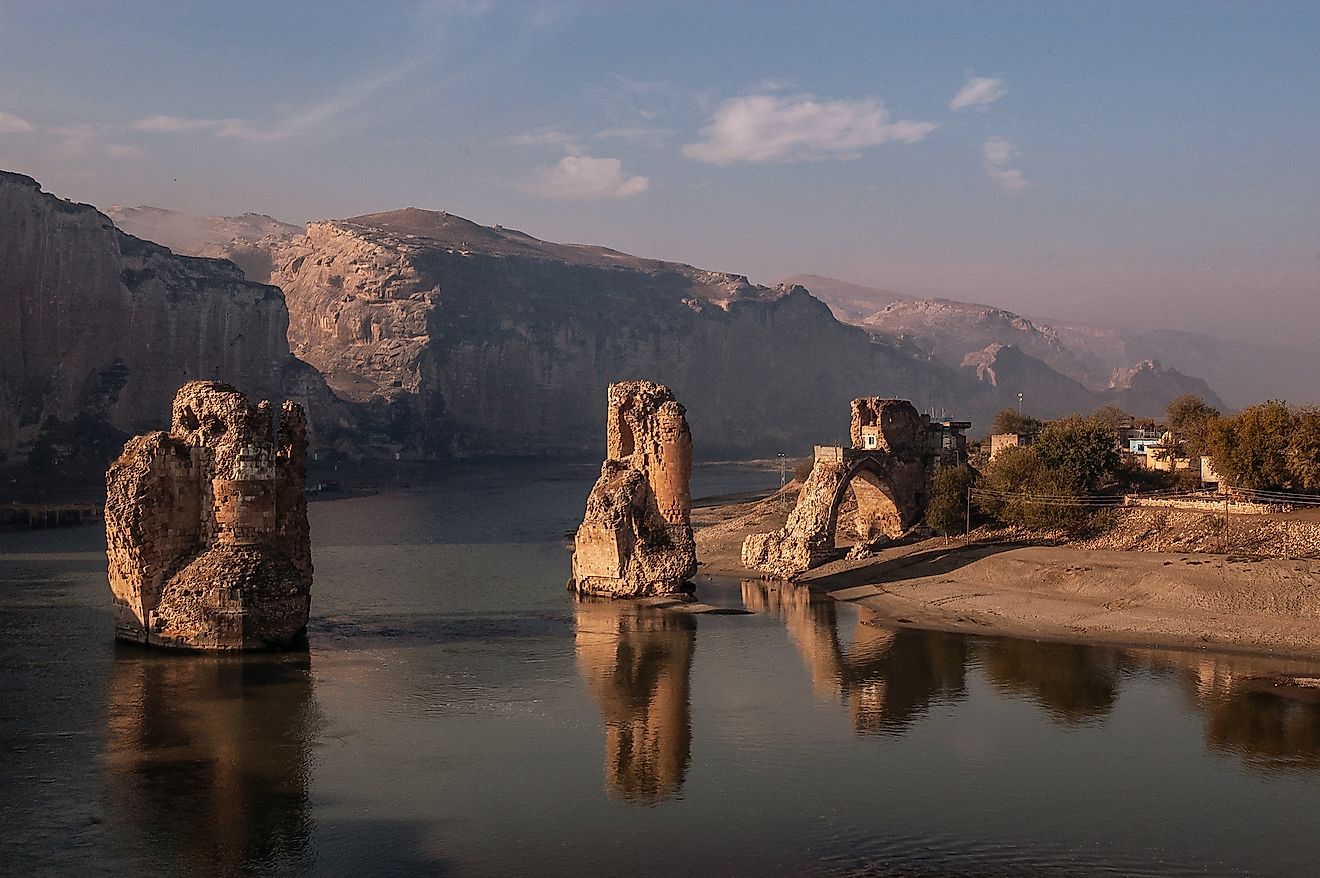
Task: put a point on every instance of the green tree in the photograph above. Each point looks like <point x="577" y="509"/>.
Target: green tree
<point x="1304" y="449"/>
<point x="1250" y="449"/>
<point x="1013" y="421"/>
<point x="946" y="503"/>
<point x="1111" y="418"/>
<point x="1084" y="451"/>
<point x="1189" y="418"/>
<point x="1017" y="488"/>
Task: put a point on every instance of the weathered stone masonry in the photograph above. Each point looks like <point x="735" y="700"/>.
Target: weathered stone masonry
<point x="206" y="526"/>
<point x="887" y="469"/>
<point x="636" y="538"/>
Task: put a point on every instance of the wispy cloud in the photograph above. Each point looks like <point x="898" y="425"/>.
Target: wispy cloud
<point x="763" y="128"/>
<point x="634" y="133"/>
<point x="237" y="128"/>
<point x="584" y="178"/>
<point x="548" y="137"/>
<point x="123" y="151"/>
<point x="998" y="154"/>
<point x="979" y="93"/>
<point x="11" y="124"/>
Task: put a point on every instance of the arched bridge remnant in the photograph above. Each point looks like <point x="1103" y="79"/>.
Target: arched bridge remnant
<point x="887" y="467"/>
<point x="206" y="526"/>
<point x="636" y="536"/>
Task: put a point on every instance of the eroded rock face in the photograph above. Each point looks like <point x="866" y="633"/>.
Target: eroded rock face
<point x="636" y="538"/>
<point x="886" y="469"/>
<point x="206" y="526"/>
<point x="98" y="329"/>
<point x="471" y="339"/>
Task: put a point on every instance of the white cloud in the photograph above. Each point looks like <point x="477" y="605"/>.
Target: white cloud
<point x="11" y="124"/>
<point x="584" y="178"/>
<point x="762" y="128"/>
<point x="122" y="151"/>
<point x="979" y="92"/>
<point x="998" y="154"/>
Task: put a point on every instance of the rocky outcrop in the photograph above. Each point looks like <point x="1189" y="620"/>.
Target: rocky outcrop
<point x="1148" y="385"/>
<point x="636" y="538"/>
<point x="886" y="471"/>
<point x="98" y="329"/>
<point x="206" y="526"/>
<point x="470" y="339"/>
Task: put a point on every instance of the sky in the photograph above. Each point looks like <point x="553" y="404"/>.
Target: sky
<point x="1131" y="164"/>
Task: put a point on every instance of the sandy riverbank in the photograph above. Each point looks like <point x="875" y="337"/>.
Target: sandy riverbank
<point x="1136" y="598"/>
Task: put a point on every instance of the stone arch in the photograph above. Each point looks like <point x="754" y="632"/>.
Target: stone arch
<point x="877" y="509"/>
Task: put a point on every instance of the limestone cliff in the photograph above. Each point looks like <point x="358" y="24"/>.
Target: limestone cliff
<point x="99" y="328"/>
<point x="486" y="340"/>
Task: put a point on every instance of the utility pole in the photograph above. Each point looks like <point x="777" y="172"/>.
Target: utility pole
<point x="1019" y="402"/>
<point x="967" y="521"/>
<point x="1223" y="540"/>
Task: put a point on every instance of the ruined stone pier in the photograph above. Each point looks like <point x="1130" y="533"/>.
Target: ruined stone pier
<point x="206" y="526"/>
<point x="636" y="537"/>
<point x="886" y="468"/>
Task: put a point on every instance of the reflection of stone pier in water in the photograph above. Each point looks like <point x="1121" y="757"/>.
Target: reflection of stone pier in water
<point x="889" y="676"/>
<point x="638" y="665"/>
<point x="206" y="526"/>
<point x="886" y="470"/>
<point x="209" y="757"/>
<point x="636" y="538"/>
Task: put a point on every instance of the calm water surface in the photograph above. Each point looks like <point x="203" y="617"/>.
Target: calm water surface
<point x="458" y="712"/>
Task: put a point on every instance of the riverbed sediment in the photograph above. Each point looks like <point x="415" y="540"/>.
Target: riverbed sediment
<point x="992" y="584"/>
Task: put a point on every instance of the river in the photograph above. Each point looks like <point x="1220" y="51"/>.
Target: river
<point x="458" y="712"/>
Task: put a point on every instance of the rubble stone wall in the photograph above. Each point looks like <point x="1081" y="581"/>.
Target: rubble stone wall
<point x="206" y="526"/>
<point x="636" y="537"/>
<point x="889" y="483"/>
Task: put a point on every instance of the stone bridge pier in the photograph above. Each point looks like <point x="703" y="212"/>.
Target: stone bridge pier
<point x="886" y="468"/>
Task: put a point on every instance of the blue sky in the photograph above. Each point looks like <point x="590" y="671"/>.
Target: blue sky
<point x="1123" y="163"/>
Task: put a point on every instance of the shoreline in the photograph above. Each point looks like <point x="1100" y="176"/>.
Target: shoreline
<point x="1187" y="600"/>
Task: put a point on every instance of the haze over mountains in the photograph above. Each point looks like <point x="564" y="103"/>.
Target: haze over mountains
<point x="950" y="330"/>
<point x="419" y="333"/>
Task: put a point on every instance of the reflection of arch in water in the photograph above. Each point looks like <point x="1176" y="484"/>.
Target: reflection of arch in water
<point x="889" y="676"/>
<point x="637" y="662"/>
<point x="210" y="757"/>
<point x="1071" y="682"/>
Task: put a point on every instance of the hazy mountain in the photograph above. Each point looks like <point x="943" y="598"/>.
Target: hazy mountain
<point x="195" y="235"/>
<point x="1241" y="373"/>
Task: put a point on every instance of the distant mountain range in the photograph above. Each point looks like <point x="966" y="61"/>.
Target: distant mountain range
<point x="950" y="330"/>
<point x="420" y="333"/>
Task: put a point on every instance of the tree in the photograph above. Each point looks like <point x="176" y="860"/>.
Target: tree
<point x="1013" y="421"/>
<point x="1080" y="449"/>
<point x="946" y="504"/>
<point x="1303" y="452"/>
<point x="1188" y="417"/>
<point x="1111" y="418"/>
<point x="1250" y="449"/>
<point x="1020" y="489"/>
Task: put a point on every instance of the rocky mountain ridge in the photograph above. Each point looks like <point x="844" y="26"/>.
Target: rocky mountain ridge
<point x="98" y="329"/>
<point x="1089" y="354"/>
